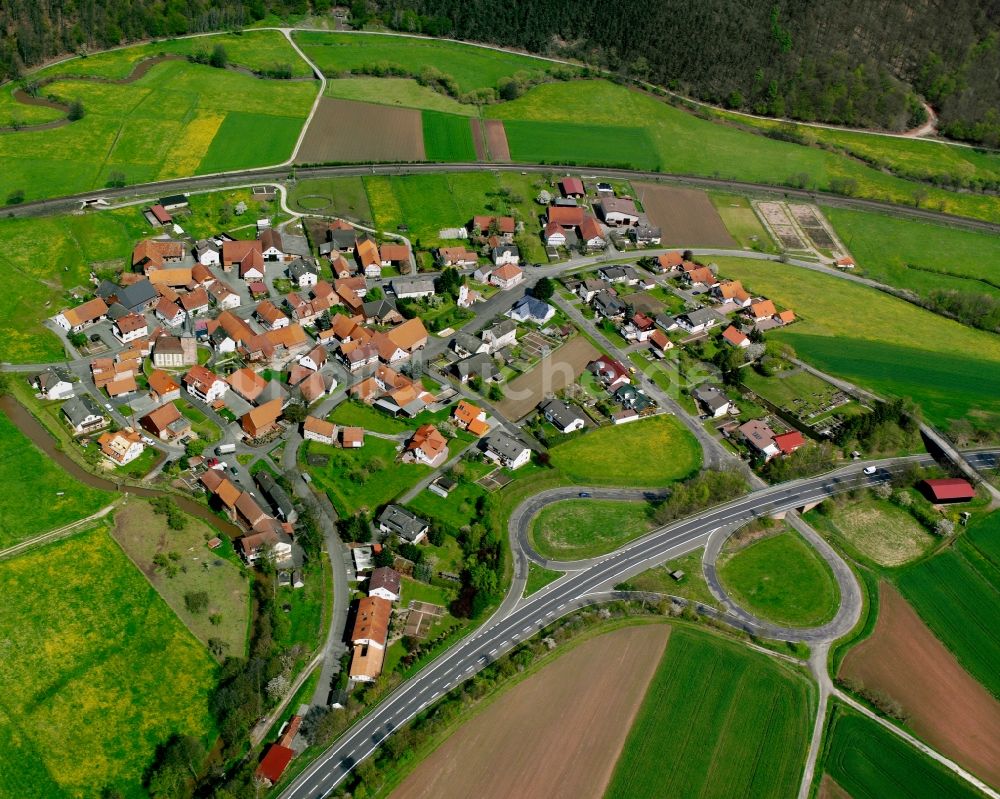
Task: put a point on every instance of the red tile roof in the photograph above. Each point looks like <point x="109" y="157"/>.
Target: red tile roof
<point x="950" y="489"/>
<point x="789" y="442"/>
<point x="274" y="763"/>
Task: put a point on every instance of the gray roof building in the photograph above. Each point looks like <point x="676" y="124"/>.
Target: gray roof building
<point x="412" y="287"/>
<point x="480" y="364"/>
<point x="81" y="410"/>
<point x="402" y="522"/>
<point x="562" y="415"/>
<point x="710" y="396"/>
<point x="702" y="318"/>
<point x="276" y="495"/>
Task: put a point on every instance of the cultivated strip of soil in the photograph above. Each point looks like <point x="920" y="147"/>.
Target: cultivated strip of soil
<point x="947" y="707"/>
<point x="347" y="131"/>
<point x="557" y="734"/>
<point x="550" y="375"/>
<point x="496" y="141"/>
<point x="477" y="139"/>
<point x="685" y="216"/>
<point x="830" y="789"/>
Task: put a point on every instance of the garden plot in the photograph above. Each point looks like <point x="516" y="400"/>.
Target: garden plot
<point x="777" y="220"/>
<point x="813" y="225"/>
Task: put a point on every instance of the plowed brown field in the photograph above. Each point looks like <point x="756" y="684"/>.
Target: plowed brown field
<point x="349" y="131"/>
<point x="556" y="735"/>
<point x="686" y="216"/>
<point x="496" y="140"/>
<point x="947" y="707"/>
<point x="550" y="375"/>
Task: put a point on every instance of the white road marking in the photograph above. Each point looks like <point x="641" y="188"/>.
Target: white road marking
<point x="493" y="651"/>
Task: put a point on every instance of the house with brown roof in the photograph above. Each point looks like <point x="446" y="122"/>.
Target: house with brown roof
<point x="487" y="225"/>
<point x="409" y="336"/>
<point x="367" y="255"/>
<point x="271" y="245"/>
<point x="385" y="583"/>
<point x="223" y="296"/>
<point x="340" y="266"/>
<point x="153" y="254"/>
<point x="273" y="764"/>
<point x="204" y="384"/>
<point x="785" y="317"/>
<point x="130" y="327"/>
<point x="572" y="187"/>
<point x="457" y="256"/>
<point x="170" y="313"/>
<point x="659" y="343"/>
<point x="591" y="234"/>
<point x="195" y="302"/>
<point x="202" y="275"/>
<point x="396" y="255"/>
<point x="507" y="276"/>
<point x="735" y="337"/>
<point x="759" y="311"/>
<point x="471" y="417"/>
<point x="371" y="624"/>
<point x="166" y="423"/>
<point x="427" y="446"/>
<point x="313" y="387"/>
<point x="244" y="256"/>
<point x="163" y="387"/>
<point x="121" y="386"/>
<point x="247" y="383"/>
<point x="320" y="430"/>
<point x="261" y="420"/>
<point x="121" y="447"/>
<point x="270" y="316"/>
<point x="760" y="437"/>
<point x="567" y="217"/>
<point x="352" y="437"/>
<point x="669" y="262"/>
<point x="702" y="275"/>
<point x="366" y="663"/>
<point x="82" y="316"/>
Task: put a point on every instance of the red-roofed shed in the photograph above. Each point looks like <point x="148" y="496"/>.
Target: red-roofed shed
<point x="949" y="489"/>
<point x="571" y="187"/>
<point x="274" y="763"/>
<point x="789" y="442"/>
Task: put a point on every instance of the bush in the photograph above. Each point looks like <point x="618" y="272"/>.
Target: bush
<point x="76" y="111"/>
<point x="219" y="58"/>
<point x="196" y="601"/>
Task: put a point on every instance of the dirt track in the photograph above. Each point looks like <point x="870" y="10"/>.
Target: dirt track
<point x="349" y="131"/>
<point x="551" y="374"/>
<point x="686" y="216"/>
<point x="557" y="734"/>
<point x="947" y="707"/>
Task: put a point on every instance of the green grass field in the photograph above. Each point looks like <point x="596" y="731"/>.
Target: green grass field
<point x="55" y="498"/>
<point x="256" y="50"/>
<point x="334" y="196"/>
<point x="648" y="453"/>
<point x="365" y="478"/>
<point x="97" y="672"/>
<point x="585" y="528"/>
<point x="741" y="221"/>
<point x="919" y="256"/>
<point x="877" y="530"/>
<point x="869" y="762"/>
<point x="13" y="113"/>
<point x="535" y="141"/>
<point x="781" y="579"/>
<point x="538" y="578"/>
<point x="459" y="509"/>
<point x="402" y="92"/>
<point x="358" y="414"/>
<point x="950" y="370"/>
<point x="718" y="720"/>
<point x="957" y="593"/>
<point x="684" y="143"/>
<point x="187" y="106"/>
<point x="447" y="137"/>
<point x="691" y="586"/>
<point x="471" y="67"/>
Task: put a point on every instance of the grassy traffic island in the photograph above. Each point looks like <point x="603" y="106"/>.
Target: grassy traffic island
<point x="780" y="579"/>
<point x="586" y="528"/>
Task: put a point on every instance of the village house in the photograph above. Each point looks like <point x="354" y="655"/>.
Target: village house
<point x="53" y="383"/>
<point x="502" y="334"/>
<point x="137" y="297"/>
<point x="465" y="344"/>
<point x="760" y="437"/>
<point x="565" y="418"/>
<point x="572" y="187"/>
<point x="271" y="246"/>
<point x="385" y="582"/>
<point x="367" y="256"/>
<point x="669" y="263"/>
<point x="732" y="291"/>
<point x="166" y="423"/>
<point x="607" y="305"/>
<point x="208" y="252"/>
<point x="352" y="437"/>
<point x="170" y="313"/>
<point x="566" y="217"/>
<point x="492" y="225"/>
<point x="270" y="316"/>
<point x="702" y="276"/>
<point x="590" y="288"/>
<point x="247" y="383"/>
<point x="320" y="430"/>
<point x="531" y="309"/>
<point x="153" y="254"/>
<point x="83" y="415"/>
<point x="659" y="344"/>
<point x="507" y="276"/>
<point x="162" y="387"/>
<point x="427" y="446"/>
<point x="789" y="442"/>
<point x="261" y="420"/>
<point x="504" y="256"/>
<point x="75" y="320"/>
<point x="470" y="417"/>
<point x="618" y="211"/>
<point x="204" y="384"/>
<point x="505" y="450"/>
<point x="762" y="310"/>
<point x="591" y="234"/>
<point x="555" y="235"/>
<point x="457" y="256"/>
<point x="283" y="506"/>
<point x="244" y="256"/>
<point x="303" y="273"/>
<point x="223" y="296"/>
<point x="735" y="337"/>
<point x="195" y="302"/>
<point x="639" y="328"/>
<point x="643" y="234"/>
<point x="699" y="320"/>
<point x="369" y="637"/>
<point x="399" y="521"/>
<point x="121" y="447"/>
<point x="714" y="402"/>
<point x="412" y="288"/>
<point x="480" y="365"/>
<point x="610" y="372"/>
<point x="130" y="327"/>
<point x="394" y="255"/>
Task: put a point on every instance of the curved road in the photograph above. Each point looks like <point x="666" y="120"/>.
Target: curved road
<point x="524" y="617"/>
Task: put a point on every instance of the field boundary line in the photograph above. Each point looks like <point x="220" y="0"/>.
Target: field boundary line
<point x="59" y="532"/>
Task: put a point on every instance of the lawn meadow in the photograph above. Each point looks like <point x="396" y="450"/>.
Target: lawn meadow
<point x="586" y="528"/>
<point x="957" y="593"/>
<point x="178" y="119"/>
<point x="869" y="762"/>
<point x="782" y="579"/>
<point x="55" y="498"/>
<point x="718" y="720"/>
<point x="885" y="344"/>
<point x="104" y="672"/>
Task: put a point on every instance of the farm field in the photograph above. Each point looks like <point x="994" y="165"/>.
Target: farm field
<point x="585" y="528"/>
<point x="866" y="336"/>
<point x="344" y="197"/>
<point x="55" y="499"/>
<point x="919" y="256"/>
<point x="187" y="104"/>
<point x="402" y="92"/>
<point x="390" y="133"/>
<point x="361" y="479"/>
<point x="554" y="142"/>
<point x="687" y="217"/>
<point x="686" y="144"/>
<point x="447" y="137"/>
<point x="660" y="451"/>
<point x="781" y="578"/>
<point x="743" y="732"/>
<point x="741" y="221"/>
<point x="116" y="676"/>
<point x="957" y="594"/>
<point x="471" y="67"/>
<point x="143" y="534"/>
<point x="868" y="761"/>
<point x="877" y="530"/>
<point x="554" y="372"/>
<point x="255" y="50"/>
<point x="945" y="705"/>
<point x="550" y="735"/>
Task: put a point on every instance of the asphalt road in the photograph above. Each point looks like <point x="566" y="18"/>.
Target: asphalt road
<point x="593" y="583"/>
<point x="269" y="174"/>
